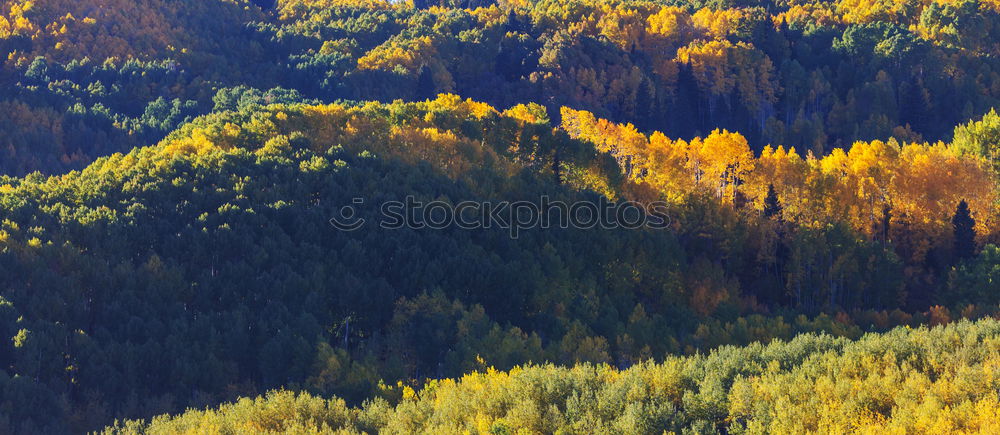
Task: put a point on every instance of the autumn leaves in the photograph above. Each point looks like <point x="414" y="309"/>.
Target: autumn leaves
<point x="918" y="184"/>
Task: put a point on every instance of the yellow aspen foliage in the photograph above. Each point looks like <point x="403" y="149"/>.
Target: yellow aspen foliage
<point x="709" y="62"/>
<point x="198" y="143"/>
<point x="623" y="26"/>
<point x="717" y="23"/>
<point x="67" y="29"/>
<point x="467" y="108"/>
<point x="328" y="124"/>
<point x="623" y="141"/>
<point x="924" y="380"/>
<point x="293" y="10"/>
<point x="671" y="27"/>
<point x="869" y="168"/>
<point x="720" y="67"/>
<point x="786" y="171"/>
<point x="933" y="179"/>
<point x="671" y="23"/>
<point x="666" y="168"/>
<point x="918" y="185"/>
<point x="581" y="124"/>
<point x="410" y="55"/>
<point x="531" y="113"/>
<point x="992" y="5"/>
<point x="721" y="160"/>
<point x="819" y="13"/>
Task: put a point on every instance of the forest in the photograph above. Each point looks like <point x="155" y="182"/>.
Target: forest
<point x="934" y="381"/>
<point x="169" y="170"/>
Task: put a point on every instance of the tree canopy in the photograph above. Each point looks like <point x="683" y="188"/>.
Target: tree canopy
<point x="826" y="173"/>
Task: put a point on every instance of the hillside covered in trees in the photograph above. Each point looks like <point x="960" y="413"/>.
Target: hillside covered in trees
<point x="826" y="172"/>
<point x="213" y="247"/>
<point x="82" y="81"/>
<point x="905" y="381"/>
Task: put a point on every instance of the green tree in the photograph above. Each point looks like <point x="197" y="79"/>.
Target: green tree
<point x="981" y="138"/>
<point x="772" y="207"/>
<point x="965" y="232"/>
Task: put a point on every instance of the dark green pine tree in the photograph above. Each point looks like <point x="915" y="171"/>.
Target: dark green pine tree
<point x="644" y="101"/>
<point x="772" y="207"/>
<point x="965" y="232"/>
<point x="426" y="88"/>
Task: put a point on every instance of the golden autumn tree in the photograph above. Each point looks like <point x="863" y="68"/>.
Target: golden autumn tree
<point x="667" y="167"/>
<point x="721" y="162"/>
<point x="933" y="180"/>
<point x="786" y="171"/>
<point x="624" y="26"/>
<point x="623" y="141"/>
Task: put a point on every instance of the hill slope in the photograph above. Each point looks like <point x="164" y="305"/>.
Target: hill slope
<point x="814" y="75"/>
<point x="937" y="380"/>
<point x="214" y="247"/>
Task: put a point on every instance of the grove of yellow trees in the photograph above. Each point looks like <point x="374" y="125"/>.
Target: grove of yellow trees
<point x="918" y="184"/>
